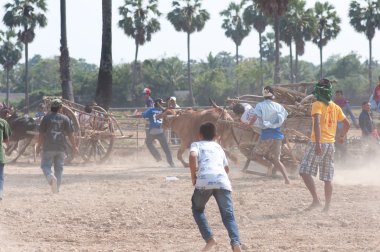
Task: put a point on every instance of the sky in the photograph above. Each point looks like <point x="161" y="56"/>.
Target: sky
<point x="84" y="25"/>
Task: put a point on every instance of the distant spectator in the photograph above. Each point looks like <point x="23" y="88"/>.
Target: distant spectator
<point x="149" y="103"/>
<point x="344" y="104"/>
<point x="370" y="135"/>
<point x="41" y="112"/>
<point x="375" y="98"/>
<point x="85" y="119"/>
<point x="365" y="120"/>
<point x="172" y="103"/>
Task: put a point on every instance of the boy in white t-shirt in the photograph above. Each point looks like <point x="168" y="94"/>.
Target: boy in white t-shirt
<point x="212" y="180"/>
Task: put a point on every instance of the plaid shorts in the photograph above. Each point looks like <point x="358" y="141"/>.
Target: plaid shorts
<point x="270" y="149"/>
<point x="325" y="162"/>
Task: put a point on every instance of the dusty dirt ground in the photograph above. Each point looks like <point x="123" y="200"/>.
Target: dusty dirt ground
<point x="127" y="205"/>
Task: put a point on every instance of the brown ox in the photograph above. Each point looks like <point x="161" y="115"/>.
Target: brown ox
<point x="185" y="124"/>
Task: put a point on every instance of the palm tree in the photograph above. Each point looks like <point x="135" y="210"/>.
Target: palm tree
<point x="10" y="54"/>
<point x="287" y="28"/>
<point x="25" y="15"/>
<point x="328" y="27"/>
<point x="275" y="9"/>
<point x="305" y="25"/>
<point x="188" y="16"/>
<point x="269" y="47"/>
<point x="139" y="22"/>
<point x="235" y="28"/>
<point x="365" y="18"/>
<point x="103" y="95"/>
<point x="64" y="60"/>
<point x="253" y="16"/>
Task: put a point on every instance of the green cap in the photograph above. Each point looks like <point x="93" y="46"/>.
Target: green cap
<point x="56" y="103"/>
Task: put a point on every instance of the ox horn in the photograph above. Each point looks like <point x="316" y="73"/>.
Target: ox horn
<point x="213" y="103"/>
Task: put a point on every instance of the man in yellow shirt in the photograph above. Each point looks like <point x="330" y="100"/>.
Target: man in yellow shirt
<point x="319" y="154"/>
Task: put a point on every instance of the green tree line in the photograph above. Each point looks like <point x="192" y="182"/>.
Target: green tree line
<point x="221" y="75"/>
<point x="215" y="77"/>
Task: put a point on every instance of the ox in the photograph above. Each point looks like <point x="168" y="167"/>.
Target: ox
<point x="185" y="124"/>
<point x="19" y="127"/>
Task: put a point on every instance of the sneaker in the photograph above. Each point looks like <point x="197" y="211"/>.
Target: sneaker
<point x="53" y="184"/>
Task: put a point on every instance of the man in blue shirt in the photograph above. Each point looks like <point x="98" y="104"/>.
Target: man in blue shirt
<point x="269" y="116"/>
<point x="156" y="132"/>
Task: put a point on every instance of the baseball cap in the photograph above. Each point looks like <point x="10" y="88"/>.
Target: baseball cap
<point x="159" y="101"/>
<point x="147" y="91"/>
<point x="56" y="103"/>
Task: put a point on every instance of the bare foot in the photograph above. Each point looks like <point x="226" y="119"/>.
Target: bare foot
<point x="210" y="243"/>
<point x="287" y="181"/>
<point x="236" y="248"/>
<point x="326" y="209"/>
<point x="313" y="206"/>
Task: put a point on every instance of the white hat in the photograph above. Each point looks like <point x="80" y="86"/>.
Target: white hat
<point x="173" y="98"/>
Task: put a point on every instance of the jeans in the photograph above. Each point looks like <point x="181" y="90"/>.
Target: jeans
<point x="47" y="160"/>
<point x="224" y="201"/>
<point x="1" y="179"/>
<point x="164" y="144"/>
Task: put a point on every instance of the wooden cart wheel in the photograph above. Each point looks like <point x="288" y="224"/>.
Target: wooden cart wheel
<point x="77" y="133"/>
<point x="97" y="144"/>
<point x="15" y="149"/>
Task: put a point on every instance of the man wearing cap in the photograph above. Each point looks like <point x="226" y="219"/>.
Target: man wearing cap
<point x="54" y="128"/>
<point x="319" y="154"/>
<point x="156" y="132"/>
<point x="270" y="116"/>
<point x="173" y="103"/>
<point x="148" y="99"/>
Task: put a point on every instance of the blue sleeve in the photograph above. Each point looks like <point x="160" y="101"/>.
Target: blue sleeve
<point x="146" y="113"/>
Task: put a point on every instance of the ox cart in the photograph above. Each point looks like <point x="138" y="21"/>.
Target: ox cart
<point x="296" y="128"/>
<point x="95" y="132"/>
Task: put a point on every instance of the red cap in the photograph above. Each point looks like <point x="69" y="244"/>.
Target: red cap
<point x="147" y="91"/>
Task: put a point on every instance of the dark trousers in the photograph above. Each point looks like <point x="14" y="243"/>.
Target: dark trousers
<point x="164" y="144"/>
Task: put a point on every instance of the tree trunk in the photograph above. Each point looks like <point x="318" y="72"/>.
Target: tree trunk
<point x="291" y="62"/>
<point x="370" y="66"/>
<point x="261" y="61"/>
<point x="188" y="72"/>
<point x="26" y="79"/>
<point x="104" y="87"/>
<point x="321" y="63"/>
<point x="237" y="63"/>
<point x="277" y="78"/>
<point x="320" y="57"/>
<point x="8" y="90"/>
<point x="296" y="67"/>
<point x="135" y="67"/>
<point x="64" y="60"/>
